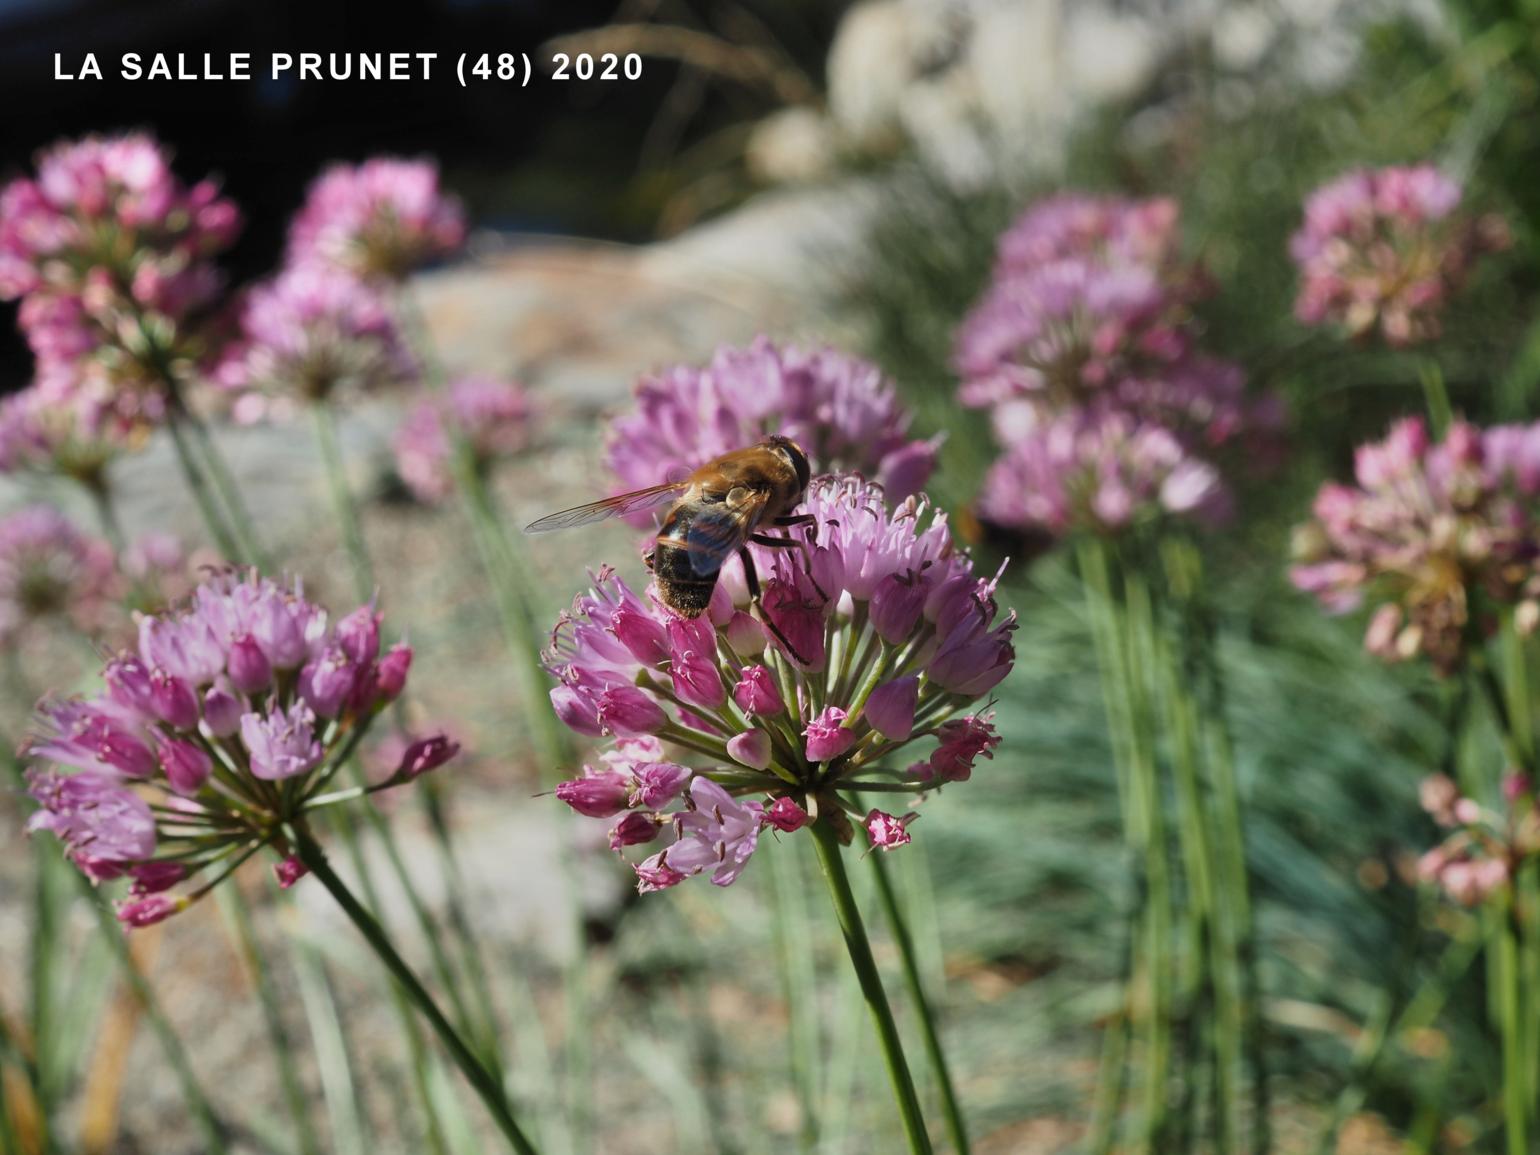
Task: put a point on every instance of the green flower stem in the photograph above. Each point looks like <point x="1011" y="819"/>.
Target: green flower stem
<point x="857" y="944"/>
<point x="1517" y="1104"/>
<point x="513" y="582"/>
<point x="1121" y="633"/>
<point x="480" y="1079"/>
<point x="229" y="493"/>
<point x="1436" y="394"/>
<point x="418" y="1058"/>
<point x="198" y="486"/>
<point x="956" y="1130"/>
<point x="233" y="906"/>
<point x="343" y="503"/>
<point x="795" y="962"/>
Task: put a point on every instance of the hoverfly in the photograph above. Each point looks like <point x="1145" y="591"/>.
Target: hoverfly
<point x="714" y="512"/>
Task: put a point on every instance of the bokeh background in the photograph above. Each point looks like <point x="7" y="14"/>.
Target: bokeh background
<point x="822" y="172"/>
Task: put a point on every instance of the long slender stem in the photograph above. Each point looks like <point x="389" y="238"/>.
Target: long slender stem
<point x="860" y="950"/>
<point x="1510" y="1001"/>
<point x="198" y="486"/>
<point x="343" y="504"/>
<point x="789" y="924"/>
<point x="233" y="906"/>
<point x="956" y="1130"/>
<point x="480" y="1079"/>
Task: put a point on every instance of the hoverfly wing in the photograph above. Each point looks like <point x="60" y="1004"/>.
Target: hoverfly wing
<point x="715" y="534"/>
<point x="619" y="506"/>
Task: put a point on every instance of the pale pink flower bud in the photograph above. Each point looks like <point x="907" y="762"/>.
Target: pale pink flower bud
<point x="693" y="662"/>
<point x="745" y="635"/>
<point x="659" y="783"/>
<point x="222" y="712"/>
<point x="751" y="748"/>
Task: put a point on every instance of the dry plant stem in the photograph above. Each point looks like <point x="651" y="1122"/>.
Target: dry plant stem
<point x="481" y="1080"/>
<point x="951" y="1111"/>
<point x="860" y="950"/>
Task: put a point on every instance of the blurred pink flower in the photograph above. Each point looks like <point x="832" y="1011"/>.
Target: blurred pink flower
<point x="308" y="333"/>
<point x="1427" y="527"/>
<point x="1385" y="248"/>
<point x="48" y="568"/>
<point x="842" y="411"/>
<point x="382" y="218"/>
<point x="493" y="416"/>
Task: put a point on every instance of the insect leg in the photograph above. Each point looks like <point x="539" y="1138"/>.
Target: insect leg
<point x="751" y="578"/>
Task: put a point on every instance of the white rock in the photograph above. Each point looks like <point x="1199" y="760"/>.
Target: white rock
<point x="869" y="70"/>
<point x="792" y="146"/>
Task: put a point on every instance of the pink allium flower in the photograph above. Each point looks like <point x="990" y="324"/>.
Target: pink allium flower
<point x="49" y="567"/>
<point x="112" y="256"/>
<point x="382" y="218"/>
<point x="1100" y="473"/>
<point x="941" y="643"/>
<point x="172" y="726"/>
<point x="1385" y="248"/>
<point x="73" y="425"/>
<point x="308" y="333"/>
<point x="1427" y="527"/>
<point x="1488" y="848"/>
<point x="493" y="417"/>
<point x="841" y="410"/>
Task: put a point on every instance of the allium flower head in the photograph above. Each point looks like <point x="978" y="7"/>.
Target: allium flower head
<point x="892" y="638"/>
<point x="1385" y="248"/>
<point x="1098" y="473"/>
<point x="382" y="218"/>
<point x="48" y="567"/>
<point x="213" y="736"/>
<point x="108" y="248"/>
<point x="71" y="426"/>
<point x="1115" y="230"/>
<point x="1428" y="528"/>
<point x="493" y="416"/>
<point x="840" y="409"/>
<point x="309" y="333"/>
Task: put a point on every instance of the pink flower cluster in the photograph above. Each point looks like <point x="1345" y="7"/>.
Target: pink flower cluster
<point x="325" y="323"/>
<point x="842" y="411"/>
<point x="380" y="219"/>
<point x="894" y="639"/>
<point x="73" y="427"/>
<point x="1098" y="470"/>
<point x="1385" y="248"/>
<point x="109" y="251"/>
<point x="219" y="727"/>
<point x="1487" y="849"/>
<point x="1084" y="351"/>
<point x="492" y="416"/>
<point x="50" y="568"/>
<point x="1428" y="527"/>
